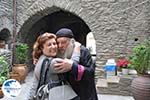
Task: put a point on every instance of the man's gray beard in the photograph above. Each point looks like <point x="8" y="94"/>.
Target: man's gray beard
<point x="69" y="50"/>
<point x="60" y="55"/>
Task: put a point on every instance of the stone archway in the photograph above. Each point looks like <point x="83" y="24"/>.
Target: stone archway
<point x="5" y="34"/>
<point x="35" y="10"/>
<point x="51" y="23"/>
<point x="5" y="38"/>
<point x="40" y="8"/>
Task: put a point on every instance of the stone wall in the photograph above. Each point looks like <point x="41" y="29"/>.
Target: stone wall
<point x="116" y="24"/>
<point x="120" y="24"/>
<point x="6" y="15"/>
<point x="122" y="87"/>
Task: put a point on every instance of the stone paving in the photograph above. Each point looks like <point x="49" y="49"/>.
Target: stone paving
<point x="26" y="88"/>
<point x="115" y="85"/>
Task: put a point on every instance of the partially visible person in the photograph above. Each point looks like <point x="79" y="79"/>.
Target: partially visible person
<point x="80" y="75"/>
<point x="45" y="47"/>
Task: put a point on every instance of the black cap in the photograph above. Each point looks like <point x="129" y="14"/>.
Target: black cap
<point x="64" y="32"/>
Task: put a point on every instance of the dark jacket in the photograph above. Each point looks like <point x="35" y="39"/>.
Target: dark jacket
<point x="85" y="88"/>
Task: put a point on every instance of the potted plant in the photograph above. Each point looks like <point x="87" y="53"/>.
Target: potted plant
<point x="4" y="69"/>
<point x="123" y="64"/>
<point x="21" y="53"/>
<point x="4" y="72"/>
<point x="140" y="60"/>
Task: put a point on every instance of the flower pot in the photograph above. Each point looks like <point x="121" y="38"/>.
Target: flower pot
<point x="20" y="69"/>
<point x="1" y="93"/>
<point x="140" y="87"/>
<point x="125" y="71"/>
<point x="15" y="76"/>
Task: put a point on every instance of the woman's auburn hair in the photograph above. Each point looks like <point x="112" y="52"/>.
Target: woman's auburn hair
<point x="38" y="45"/>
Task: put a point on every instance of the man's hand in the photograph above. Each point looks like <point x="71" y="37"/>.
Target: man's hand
<point x="63" y="66"/>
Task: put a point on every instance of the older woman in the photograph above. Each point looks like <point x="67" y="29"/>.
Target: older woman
<point x="45" y="47"/>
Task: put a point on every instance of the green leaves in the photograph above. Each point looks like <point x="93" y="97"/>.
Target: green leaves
<point x="140" y="58"/>
<point x="4" y="69"/>
<point x="22" y="53"/>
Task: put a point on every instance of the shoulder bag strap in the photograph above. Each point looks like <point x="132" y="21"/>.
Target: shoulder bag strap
<point x="43" y="72"/>
<point x="62" y="78"/>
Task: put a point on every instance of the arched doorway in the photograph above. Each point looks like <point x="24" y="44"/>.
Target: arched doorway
<point x="57" y="20"/>
<point x="53" y="22"/>
<point x="5" y="34"/>
<point x="5" y="37"/>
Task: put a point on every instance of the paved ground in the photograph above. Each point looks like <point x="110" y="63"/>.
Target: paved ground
<point x="26" y="87"/>
<point x="114" y="97"/>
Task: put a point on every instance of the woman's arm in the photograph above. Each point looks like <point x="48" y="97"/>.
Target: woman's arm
<point x="76" y="52"/>
<point x="33" y="89"/>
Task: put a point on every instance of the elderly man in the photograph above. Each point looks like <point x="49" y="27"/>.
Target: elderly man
<point x="79" y="74"/>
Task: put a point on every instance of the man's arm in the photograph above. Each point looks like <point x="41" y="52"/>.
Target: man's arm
<point x="86" y="67"/>
<point x="84" y="70"/>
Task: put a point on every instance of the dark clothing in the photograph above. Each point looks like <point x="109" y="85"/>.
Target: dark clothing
<point x="85" y="88"/>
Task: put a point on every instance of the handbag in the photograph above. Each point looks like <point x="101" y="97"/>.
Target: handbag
<point x="61" y="91"/>
<point x="53" y="90"/>
<point x="41" y="94"/>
